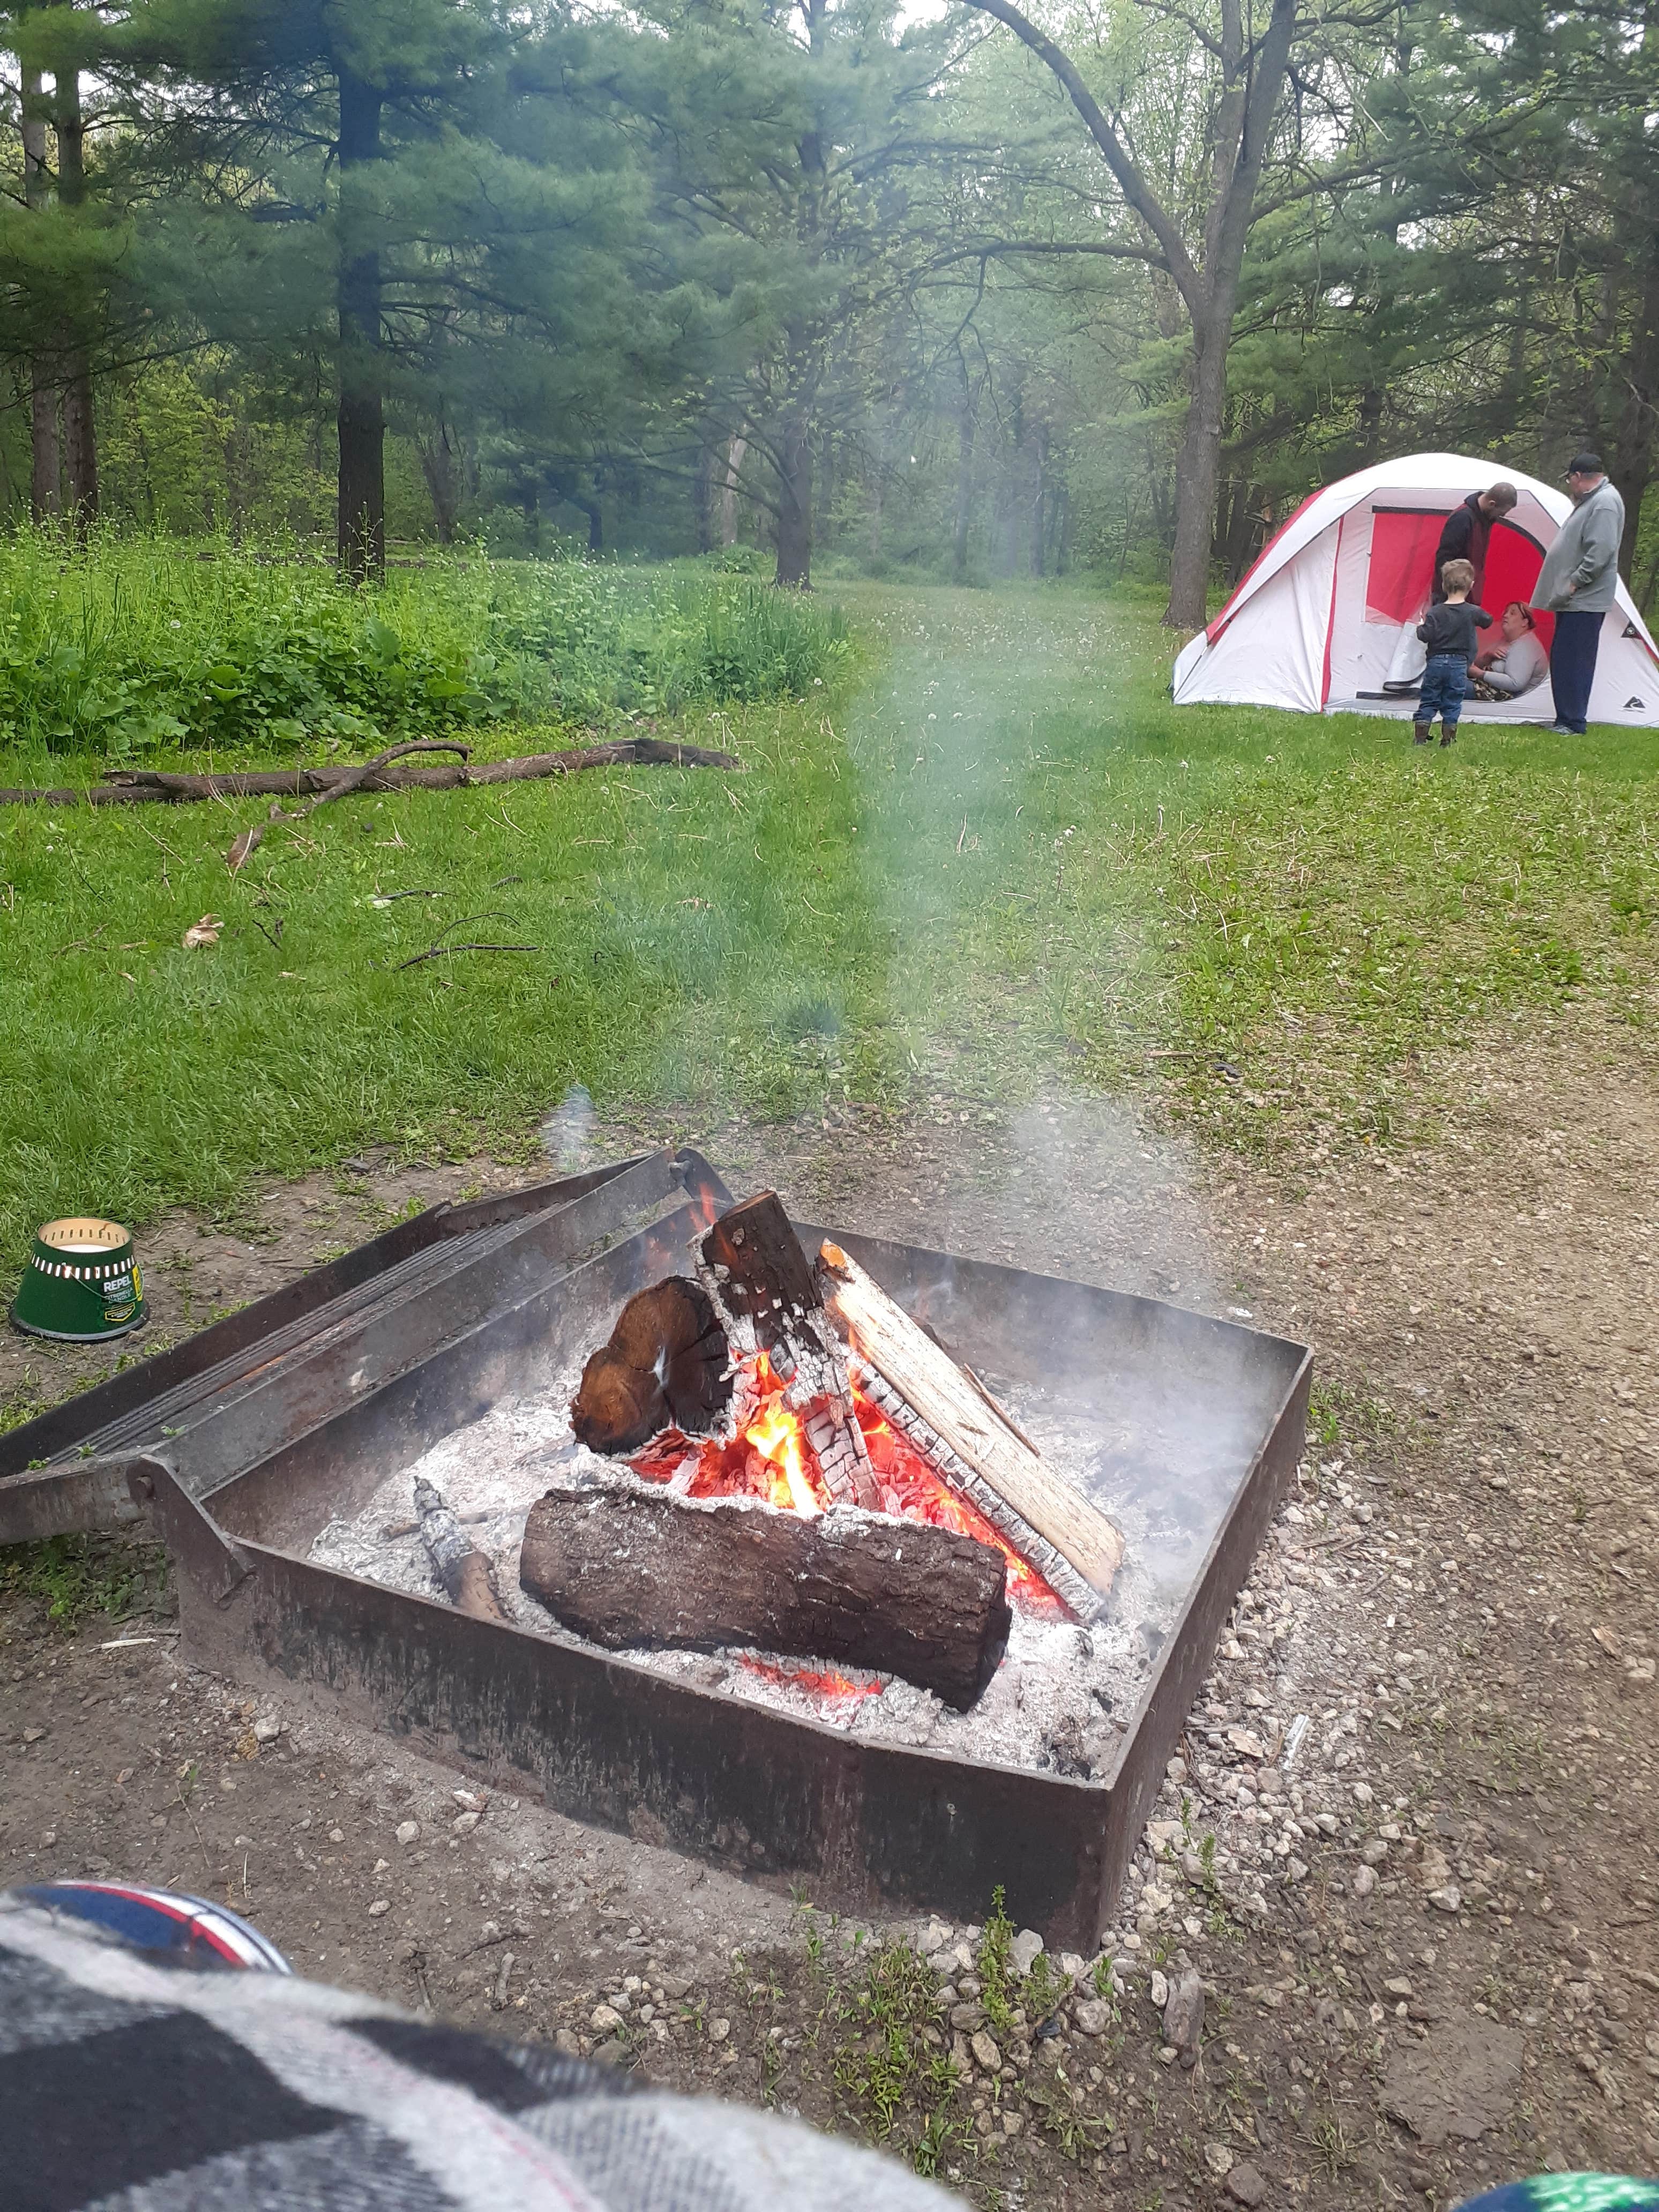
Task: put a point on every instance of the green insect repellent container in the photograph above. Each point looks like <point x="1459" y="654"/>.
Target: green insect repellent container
<point x="81" y="1283"/>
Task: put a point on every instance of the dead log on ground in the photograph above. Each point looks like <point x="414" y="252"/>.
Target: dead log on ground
<point x="962" y="1415"/>
<point x="635" y="1565"/>
<point x="755" y="1264"/>
<point x="664" y="1366"/>
<point x="137" y="787"/>
<point x="465" y="1572"/>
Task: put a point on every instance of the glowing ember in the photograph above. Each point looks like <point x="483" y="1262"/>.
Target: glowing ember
<point x="770" y="1459"/>
<point x="822" y="1681"/>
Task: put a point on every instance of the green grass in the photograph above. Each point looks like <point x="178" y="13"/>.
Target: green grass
<point x="988" y="859"/>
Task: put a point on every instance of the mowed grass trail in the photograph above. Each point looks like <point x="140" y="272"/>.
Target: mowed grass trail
<point x="995" y="858"/>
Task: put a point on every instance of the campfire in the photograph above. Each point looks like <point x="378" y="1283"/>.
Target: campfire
<point x="774" y="1594"/>
<point x="785" y="1463"/>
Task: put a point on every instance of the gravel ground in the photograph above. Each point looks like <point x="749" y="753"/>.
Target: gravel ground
<point x="1422" y="1929"/>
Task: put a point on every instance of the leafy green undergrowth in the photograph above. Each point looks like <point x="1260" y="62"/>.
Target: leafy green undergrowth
<point x="989" y="861"/>
<point x="133" y="648"/>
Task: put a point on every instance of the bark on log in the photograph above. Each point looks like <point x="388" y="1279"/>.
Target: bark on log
<point x="665" y="1364"/>
<point x="967" y="1420"/>
<point x="759" y="1274"/>
<point x="464" y="1572"/>
<point x="138" y="786"/>
<point x="628" y="1566"/>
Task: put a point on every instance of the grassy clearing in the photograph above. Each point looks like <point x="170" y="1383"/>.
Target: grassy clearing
<point x="140" y="648"/>
<point x="990" y="859"/>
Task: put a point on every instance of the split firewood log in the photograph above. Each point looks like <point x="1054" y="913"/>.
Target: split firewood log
<point x="665" y="1364"/>
<point x="963" y="1414"/>
<point x="632" y="1564"/>
<point x="464" y="1572"/>
<point x="756" y="1267"/>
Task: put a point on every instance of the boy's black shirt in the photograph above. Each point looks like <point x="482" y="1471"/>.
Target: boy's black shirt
<point x="1448" y="628"/>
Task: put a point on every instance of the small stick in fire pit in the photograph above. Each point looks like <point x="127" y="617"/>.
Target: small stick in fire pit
<point x="761" y="1277"/>
<point x="466" y="1574"/>
<point x="664" y="1366"/>
<point x="965" y="1417"/>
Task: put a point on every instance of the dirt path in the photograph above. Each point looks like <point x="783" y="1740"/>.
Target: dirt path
<point x="1430" y="1942"/>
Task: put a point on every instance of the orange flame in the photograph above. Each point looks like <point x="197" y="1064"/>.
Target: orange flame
<point x="823" y="1681"/>
<point x="771" y="1459"/>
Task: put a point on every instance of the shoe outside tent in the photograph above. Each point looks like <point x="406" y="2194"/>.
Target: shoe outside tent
<point x="1325" y="621"/>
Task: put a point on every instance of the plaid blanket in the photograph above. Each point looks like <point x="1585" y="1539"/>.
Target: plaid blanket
<point x="133" y="2086"/>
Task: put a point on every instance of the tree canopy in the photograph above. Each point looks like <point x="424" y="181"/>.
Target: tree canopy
<point x="1000" y="291"/>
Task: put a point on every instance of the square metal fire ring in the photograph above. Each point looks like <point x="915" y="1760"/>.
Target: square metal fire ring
<point x="1199" y="1425"/>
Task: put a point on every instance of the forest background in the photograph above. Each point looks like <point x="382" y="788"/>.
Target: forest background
<point x="820" y="287"/>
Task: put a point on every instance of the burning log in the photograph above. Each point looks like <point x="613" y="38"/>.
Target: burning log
<point x="760" y="1277"/>
<point x="638" y="1565"/>
<point x="949" y="1409"/>
<point x="466" y="1573"/>
<point x="664" y="1366"/>
<point x="628" y="1565"/>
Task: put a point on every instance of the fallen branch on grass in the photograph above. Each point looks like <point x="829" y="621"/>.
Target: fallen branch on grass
<point x="135" y="786"/>
<point x="441" y="952"/>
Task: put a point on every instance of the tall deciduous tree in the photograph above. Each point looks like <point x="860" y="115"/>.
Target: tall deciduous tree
<point x="1249" y="72"/>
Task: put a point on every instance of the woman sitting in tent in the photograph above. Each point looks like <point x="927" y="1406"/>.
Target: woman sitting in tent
<point x="1516" y="663"/>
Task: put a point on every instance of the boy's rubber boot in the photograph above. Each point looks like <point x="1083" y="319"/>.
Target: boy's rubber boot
<point x="1422" y="734"/>
<point x="1449" y="733"/>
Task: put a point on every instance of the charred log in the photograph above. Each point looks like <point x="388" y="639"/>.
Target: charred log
<point x="961" y="1413"/>
<point x="627" y="1566"/>
<point x="465" y="1572"/>
<point x="763" y="1278"/>
<point x="664" y="1366"/>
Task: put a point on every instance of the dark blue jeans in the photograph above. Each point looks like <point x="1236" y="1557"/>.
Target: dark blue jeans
<point x="1445" y="682"/>
<point x="1572" y="667"/>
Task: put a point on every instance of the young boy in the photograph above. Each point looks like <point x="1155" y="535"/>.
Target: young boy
<point x="1447" y="630"/>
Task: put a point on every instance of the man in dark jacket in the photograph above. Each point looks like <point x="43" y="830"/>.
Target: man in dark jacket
<point x="1467" y="528"/>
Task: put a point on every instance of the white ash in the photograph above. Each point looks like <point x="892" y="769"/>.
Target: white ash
<point x="1059" y="1701"/>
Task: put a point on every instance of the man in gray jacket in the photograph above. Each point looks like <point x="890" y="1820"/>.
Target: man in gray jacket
<point x="1576" y="585"/>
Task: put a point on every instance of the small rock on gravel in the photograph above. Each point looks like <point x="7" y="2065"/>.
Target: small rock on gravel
<point x="1024" y="1951"/>
<point x="1092" y="2016"/>
<point x="1448" y="1898"/>
<point x="985" y="2053"/>
<point x="1364" y="1881"/>
<point x="1160" y="1990"/>
<point x="1245" y="2185"/>
<point x="267" y="1728"/>
<point x="408" y="1832"/>
<point x="1183" y="2016"/>
<point x="381" y="1907"/>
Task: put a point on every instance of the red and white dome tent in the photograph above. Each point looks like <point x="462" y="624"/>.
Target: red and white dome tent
<point x="1339" y="589"/>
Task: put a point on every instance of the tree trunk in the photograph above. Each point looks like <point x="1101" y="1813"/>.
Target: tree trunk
<point x="437" y="453"/>
<point x="1638" y="421"/>
<point x="794" y="529"/>
<point x="79" y="430"/>
<point x="734" y="453"/>
<point x="702" y="499"/>
<point x="361" y="410"/>
<point x="964" y="514"/>
<point x="1197" y="469"/>
<point x="1039" y="500"/>
<point x="631" y="1566"/>
<point x="46" y="498"/>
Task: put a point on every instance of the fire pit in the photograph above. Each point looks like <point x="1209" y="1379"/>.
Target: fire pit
<point x="813" y="1639"/>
